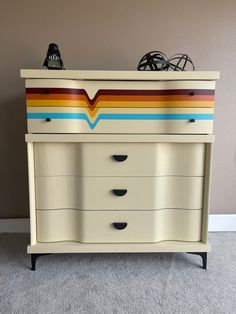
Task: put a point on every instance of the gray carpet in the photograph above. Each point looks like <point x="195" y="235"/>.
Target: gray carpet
<point x="118" y="283"/>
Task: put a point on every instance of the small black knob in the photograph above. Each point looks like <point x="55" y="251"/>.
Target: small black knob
<point x="119" y="192"/>
<point x="120" y="158"/>
<point x="48" y="119"/>
<point x="192" y="120"/>
<point x="192" y="93"/>
<point x="119" y="225"/>
<point x="46" y="91"/>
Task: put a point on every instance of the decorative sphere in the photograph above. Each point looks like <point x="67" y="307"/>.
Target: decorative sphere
<point x="180" y="62"/>
<point x="153" y="61"/>
<point x="157" y="61"/>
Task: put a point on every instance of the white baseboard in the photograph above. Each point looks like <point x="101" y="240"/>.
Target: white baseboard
<point x="222" y="223"/>
<point x="217" y="223"/>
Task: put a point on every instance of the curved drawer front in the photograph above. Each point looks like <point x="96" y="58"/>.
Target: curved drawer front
<point x="119" y="227"/>
<point x="116" y="193"/>
<point x="119" y="159"/>
<point x="64" y="106"/>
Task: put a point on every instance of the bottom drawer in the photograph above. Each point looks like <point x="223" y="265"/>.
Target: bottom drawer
<point x="118" y="226"/>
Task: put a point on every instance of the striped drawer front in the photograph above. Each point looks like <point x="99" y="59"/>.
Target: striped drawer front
<point x="64" y="106"/>
<point x="119" y="159"/>
<point x="117" y="193"/>
<point x="118" y="226"/>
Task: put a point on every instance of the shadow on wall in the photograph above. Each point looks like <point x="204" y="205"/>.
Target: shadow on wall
<point x="14" y="176"/>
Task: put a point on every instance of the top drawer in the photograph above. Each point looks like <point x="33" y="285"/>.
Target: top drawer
<point x="74" y="106"/>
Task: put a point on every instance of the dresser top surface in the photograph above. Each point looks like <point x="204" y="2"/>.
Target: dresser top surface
<point x="119" y="75"/>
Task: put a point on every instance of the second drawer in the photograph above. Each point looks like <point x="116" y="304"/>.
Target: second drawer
<point x="116" y="193"/>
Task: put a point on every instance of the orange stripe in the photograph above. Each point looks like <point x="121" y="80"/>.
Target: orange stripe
<point x="121" y="98"/>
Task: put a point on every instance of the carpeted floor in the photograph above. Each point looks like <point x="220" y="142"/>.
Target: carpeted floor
<point x="118" y="283"/>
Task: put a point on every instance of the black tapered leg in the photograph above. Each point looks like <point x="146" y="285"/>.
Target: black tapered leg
<point x="204" y="260"/>
<point x="34" y="258"/>
<point x="33" y="261"/>
<point x="203" y="256"/>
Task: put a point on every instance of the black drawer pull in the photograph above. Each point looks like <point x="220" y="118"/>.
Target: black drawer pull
<point x="119" y="192"/>
<point x="46" y="92"/>
<point x="120" y="225"/>
<point x="192" y="93"/>
<point x="120" y="158"/>
<point x="192" y="120"/>
<point x="48" y="119"/>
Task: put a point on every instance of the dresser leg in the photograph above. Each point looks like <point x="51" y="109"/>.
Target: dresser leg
<point x="203" y="256"/>
<point x="34" y="258"/>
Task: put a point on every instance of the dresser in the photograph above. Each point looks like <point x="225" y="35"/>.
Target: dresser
<point x="119" y="161"/>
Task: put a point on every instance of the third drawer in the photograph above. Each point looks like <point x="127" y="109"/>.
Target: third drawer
<point x="118" y="226"/>
<point x="116" y="193"/>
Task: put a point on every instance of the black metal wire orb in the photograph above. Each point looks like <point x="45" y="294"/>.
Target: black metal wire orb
<point x="153" y="61"/>
<point x="157" y="61"/>
<point x="180" y="62"/>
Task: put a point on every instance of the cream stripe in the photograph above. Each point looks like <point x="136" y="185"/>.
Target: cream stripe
<point x="128" y="126"/>
<point x="93" y="86"/>
<point x="123" y="110"/>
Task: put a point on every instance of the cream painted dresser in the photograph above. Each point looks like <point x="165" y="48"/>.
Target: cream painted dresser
<point x="119" y="161"/>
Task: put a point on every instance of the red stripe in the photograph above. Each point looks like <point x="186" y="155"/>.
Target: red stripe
<point x="121" y="91"/>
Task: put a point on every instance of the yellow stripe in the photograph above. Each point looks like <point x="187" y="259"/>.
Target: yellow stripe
<point x="95" y="113"/>
<point x="120" y="104"/>
<point x="125" y="110"/>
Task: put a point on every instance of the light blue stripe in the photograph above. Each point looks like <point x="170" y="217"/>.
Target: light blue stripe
<point x="119" y="116"/>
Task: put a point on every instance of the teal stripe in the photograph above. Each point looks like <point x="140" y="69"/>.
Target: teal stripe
<point x="119" y="116"/>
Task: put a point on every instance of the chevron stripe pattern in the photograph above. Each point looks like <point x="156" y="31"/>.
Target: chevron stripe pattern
<point x="119" y="104"/>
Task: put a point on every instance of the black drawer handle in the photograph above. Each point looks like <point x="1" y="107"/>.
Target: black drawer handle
<point x="46" y="92"/>
<point x="120" y="158"/>
<point x="192" y="120"/>
<point x="48" y="119"/>
<point x="119" y="192"/>
<point x="120" y="225"/>
<point x="192" y="93"/>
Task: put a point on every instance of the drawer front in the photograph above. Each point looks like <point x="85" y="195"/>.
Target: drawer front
<point x="119" y="159"/>
<point x="118" y="227"/>
<point x="117" y="193"/>
<point x="64" y="106"/>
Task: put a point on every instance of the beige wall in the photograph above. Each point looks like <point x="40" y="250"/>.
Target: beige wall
<point x="113" y="35"/>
